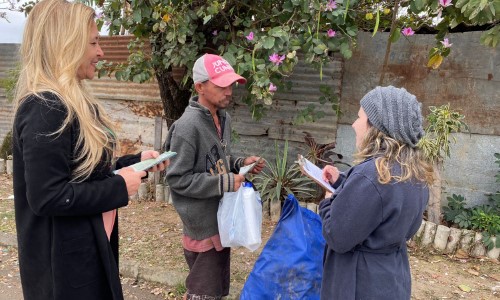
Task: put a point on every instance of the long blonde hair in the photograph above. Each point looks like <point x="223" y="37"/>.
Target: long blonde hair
<point x="388" y="151"/>
<point x="55" y="40"/>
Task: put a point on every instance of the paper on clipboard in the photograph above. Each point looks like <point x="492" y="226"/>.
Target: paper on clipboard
<point x="314" y="172"/>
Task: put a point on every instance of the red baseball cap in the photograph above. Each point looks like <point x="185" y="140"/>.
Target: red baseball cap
<point x="215" y="69"/>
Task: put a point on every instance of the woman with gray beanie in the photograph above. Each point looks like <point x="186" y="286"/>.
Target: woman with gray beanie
<point x="378" y="204"/>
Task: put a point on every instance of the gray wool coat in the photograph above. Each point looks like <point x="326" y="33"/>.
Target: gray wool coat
<point x="366" y="225"/>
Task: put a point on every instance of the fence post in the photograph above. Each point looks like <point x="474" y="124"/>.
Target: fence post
<point x="157" y="144"/>
<point x="10" y="167"/>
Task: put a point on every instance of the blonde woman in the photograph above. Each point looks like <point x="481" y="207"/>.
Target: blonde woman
<point x="378" y="204"/>
<point x="66" y="195"/>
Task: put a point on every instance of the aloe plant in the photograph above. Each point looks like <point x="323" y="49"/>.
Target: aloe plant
<point x="279" y="179"/>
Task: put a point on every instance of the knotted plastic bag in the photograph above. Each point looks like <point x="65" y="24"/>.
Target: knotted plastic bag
<point x="291" y="263"/>
<point x="240" y="218"/>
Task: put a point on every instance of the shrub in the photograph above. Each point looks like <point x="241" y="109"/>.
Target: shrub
<point x="278" y="179"/>
<point x="6" y="148"/>
<point x="484" y="218"/>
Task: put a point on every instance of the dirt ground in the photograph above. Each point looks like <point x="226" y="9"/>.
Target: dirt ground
<point x="150" y="232"/>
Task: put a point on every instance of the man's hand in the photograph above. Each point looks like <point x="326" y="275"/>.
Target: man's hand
<point x="261" y="163"/>
<point x="238" y="180"/>
<point x="148" y="154"/>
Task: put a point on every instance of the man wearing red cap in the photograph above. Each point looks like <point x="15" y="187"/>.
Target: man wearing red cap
<point x="202" y="171"/>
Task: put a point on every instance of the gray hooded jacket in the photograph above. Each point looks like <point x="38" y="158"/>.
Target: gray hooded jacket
<point x="200" y="173"/>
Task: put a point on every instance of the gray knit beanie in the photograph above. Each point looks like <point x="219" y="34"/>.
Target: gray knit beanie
<point x="395" y="112"/>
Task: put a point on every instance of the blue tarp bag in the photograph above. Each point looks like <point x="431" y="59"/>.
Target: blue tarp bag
<point x="291" y="263"/>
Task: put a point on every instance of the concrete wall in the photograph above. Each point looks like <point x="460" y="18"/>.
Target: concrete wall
<point x="468" y="80"/>
<point x="8" y="59"/>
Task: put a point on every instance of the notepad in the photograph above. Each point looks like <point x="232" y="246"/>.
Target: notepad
<point x="314" y="172"/>
<point x="149" y="163"/>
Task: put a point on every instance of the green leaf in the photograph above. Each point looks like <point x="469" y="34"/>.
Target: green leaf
<point x="156" y="27"/>
<point x="419" y="4"/>
<point x="320" y="49"/>
<point x="287" y="6"/>
<point x="137" y="78"/>
<point x="206" y="19"/>
<point x="461" y="3"/>
<point x="230" y="58"/>
<point x="170" y="36"/>
<point x="181" y="39"/>
<point x="346" y="9"/>
<point x="345" y="50"/>
<point x="351" y="30"/>
<point x="276" y="32"/>
<point x="137" y="15"/>
<point x="268" y="42"/>
<point x="396" y="35"/>
<point x="377" y="21"/>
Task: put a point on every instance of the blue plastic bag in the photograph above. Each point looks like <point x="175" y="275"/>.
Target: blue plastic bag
<point x="291" y="263"/>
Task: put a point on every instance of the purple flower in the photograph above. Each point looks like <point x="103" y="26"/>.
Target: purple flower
<point x="249" y="36"/>
<point x="99" y="15"/>
<point x="331" y="5"/>
<point x="446" y="43"/>
<point x="214" y="32"/>
<point x="331" y="33"/>
<point x="276" y="59"/>
<point x="107" y="23"/>
<point x="445" y="3"/>
<point x="272" y="88"/>
<point x="407" y="31"/>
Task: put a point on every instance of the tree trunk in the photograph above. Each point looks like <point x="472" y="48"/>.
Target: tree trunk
<point x="434" y="206"/>
<point x="174" y="97"/>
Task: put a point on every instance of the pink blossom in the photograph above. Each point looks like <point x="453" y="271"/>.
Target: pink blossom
<point x="446" y="43"/>
<point x="331" y="5"/>
<point x="331" y="33"/>
<point x="214" y="32"/>
<point x="445" y="3"/>
<point x="276" y="59"/>
<point x="272" y="88"/>
<point x="249" y="36"/>
<point x="99" y="15"/>
<point x="407" y="31"/>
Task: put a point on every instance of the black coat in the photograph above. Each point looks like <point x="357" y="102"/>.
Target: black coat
<point x="64" y="252"/>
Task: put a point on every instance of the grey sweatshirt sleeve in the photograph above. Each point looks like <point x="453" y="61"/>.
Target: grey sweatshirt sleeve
<point x="236" y="163"/>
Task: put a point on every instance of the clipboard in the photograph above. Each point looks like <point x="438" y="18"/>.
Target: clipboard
<point x="314" y="172"/>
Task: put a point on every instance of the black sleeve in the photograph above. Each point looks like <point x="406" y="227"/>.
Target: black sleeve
<point x="47" y="162"/>
<point x="128" y="160"/>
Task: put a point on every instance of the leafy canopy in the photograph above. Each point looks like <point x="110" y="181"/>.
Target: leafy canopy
<point x="265" y="39"/>
<point x="262" y="39"/>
